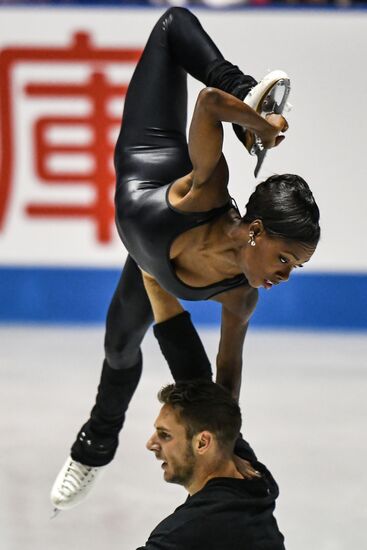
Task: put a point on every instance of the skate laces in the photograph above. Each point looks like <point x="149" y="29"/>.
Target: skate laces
<point x="76" y="477"/>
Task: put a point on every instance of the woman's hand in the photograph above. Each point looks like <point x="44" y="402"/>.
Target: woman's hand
<point x="270" y="136"/>
<point x="245" y="468"/>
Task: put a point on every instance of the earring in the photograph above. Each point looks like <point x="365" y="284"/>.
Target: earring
<point x="251" y="240"/>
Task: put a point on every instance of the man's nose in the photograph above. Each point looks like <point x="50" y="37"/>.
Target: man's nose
<point x="152" y="443"/>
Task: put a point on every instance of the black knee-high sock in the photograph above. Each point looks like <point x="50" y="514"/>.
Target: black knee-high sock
<point x="97" y="440"/>
<point x="228" y="77"/>
<point x="182" y="348"/>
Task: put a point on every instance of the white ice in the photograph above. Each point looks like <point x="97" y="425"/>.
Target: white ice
<point x="304" y="401"/>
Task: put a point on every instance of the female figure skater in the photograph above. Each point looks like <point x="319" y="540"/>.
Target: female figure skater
<point x="184" y="235"/>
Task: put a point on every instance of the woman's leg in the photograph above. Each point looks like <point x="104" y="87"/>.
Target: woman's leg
<point x="128" y="319"/>
<point x="152" y="142"/>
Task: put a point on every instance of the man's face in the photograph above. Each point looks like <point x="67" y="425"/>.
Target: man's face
<point x="169" y="443"/>
<point x="272" y="260"/>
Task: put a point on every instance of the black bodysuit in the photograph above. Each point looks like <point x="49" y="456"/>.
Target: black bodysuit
<point x="149" y="230"/>
<point x="152" y="152"/>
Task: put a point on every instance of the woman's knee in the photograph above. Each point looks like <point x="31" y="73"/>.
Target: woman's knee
<point x="177" y="11"/>
<point x="124" y="334"/>
<point x="122" y="357"/>
<point x="178" y="16"/>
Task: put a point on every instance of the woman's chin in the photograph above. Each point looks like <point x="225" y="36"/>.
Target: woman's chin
<point x="254" y="283"/>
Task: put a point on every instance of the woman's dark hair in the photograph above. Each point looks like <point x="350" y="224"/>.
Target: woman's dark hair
<point x="287" y="208"/>
<point x="204" y="405"/>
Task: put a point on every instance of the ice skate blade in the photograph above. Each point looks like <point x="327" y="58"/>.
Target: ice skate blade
<point x="260" y="159"/>
<point x="275" y="102"/>
<point x="276" y="99"/>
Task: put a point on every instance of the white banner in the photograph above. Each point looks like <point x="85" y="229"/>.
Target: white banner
<point x="63" y="76"/>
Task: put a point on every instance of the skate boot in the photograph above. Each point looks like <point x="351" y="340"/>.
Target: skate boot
<point x="267" y="97"/>
<point x="78" y="475"/>
<point x="73" y="484"/>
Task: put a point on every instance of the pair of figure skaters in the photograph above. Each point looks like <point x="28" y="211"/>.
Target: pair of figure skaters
<point x="186" y="239"/>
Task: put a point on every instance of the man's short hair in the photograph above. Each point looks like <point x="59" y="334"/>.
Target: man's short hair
<point x="204" y="405"/>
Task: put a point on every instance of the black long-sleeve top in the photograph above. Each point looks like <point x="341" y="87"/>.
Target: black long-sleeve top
<point x="227" y="514"/>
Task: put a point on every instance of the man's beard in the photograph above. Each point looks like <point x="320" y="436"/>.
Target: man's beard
<point x="182" y="473"/>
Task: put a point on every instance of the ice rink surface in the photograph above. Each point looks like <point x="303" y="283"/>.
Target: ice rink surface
<point x="304" y="402"/>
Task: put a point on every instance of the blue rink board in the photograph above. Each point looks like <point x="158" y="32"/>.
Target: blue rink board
<point x="325" y="301"/>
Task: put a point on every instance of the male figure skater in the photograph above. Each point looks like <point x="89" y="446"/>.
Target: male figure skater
<point x="231" y="496"/>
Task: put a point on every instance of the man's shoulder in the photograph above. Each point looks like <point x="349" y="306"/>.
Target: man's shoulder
<point x="175" y="531"/>
<point x="219" y="516"/>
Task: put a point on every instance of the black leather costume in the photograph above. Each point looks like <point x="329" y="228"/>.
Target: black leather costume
<point x="149" y="230"/>
<point x="152" y="152"/>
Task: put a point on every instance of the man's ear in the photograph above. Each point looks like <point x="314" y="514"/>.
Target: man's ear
<point x="203" y="442"/>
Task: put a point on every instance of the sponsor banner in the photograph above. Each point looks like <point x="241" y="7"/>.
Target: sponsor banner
<point x="61" y="106"/>
<point x="81" y="296"/>
<point x="64" y="74"/>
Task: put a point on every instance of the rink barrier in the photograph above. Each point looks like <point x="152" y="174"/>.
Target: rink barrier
<point x="320" y="301"/>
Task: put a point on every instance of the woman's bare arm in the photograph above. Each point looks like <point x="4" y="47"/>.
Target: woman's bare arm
<point x="213" y="107"/>
<point x="237" y="308"/>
